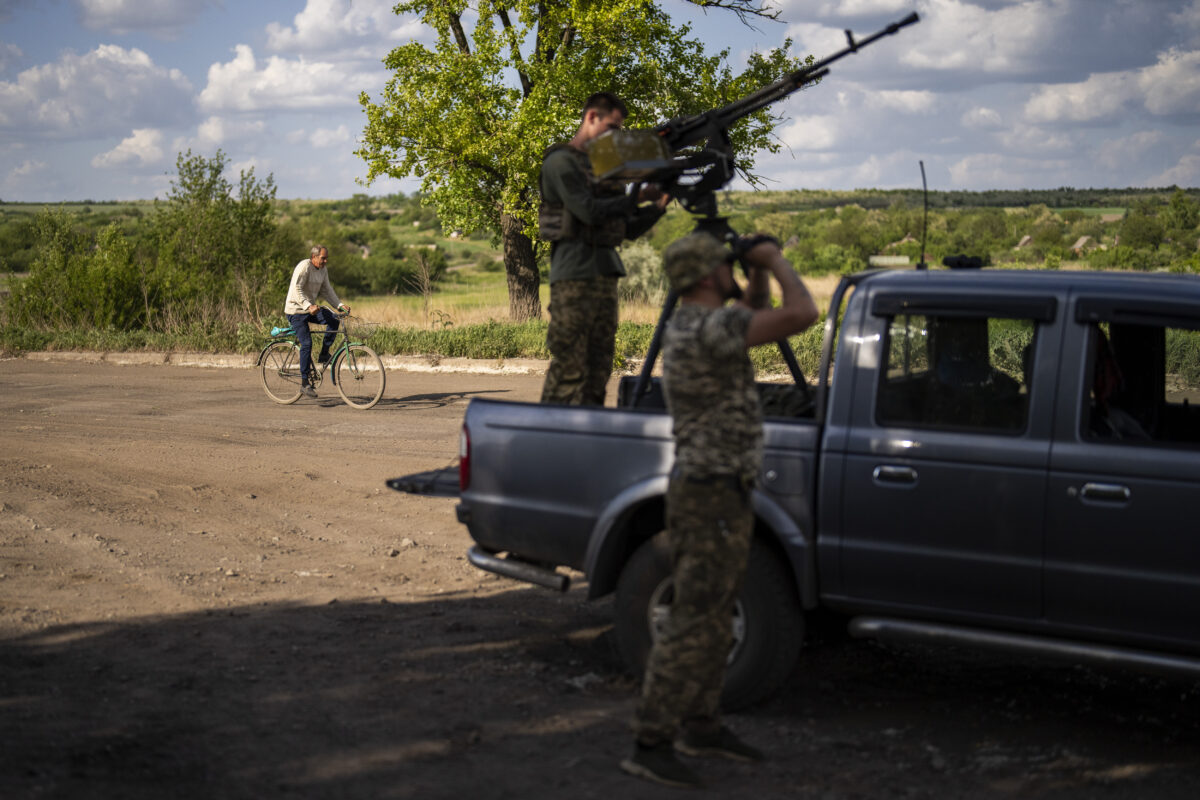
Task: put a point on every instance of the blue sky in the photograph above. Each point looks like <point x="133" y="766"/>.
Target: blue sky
<point x="98" y="96"/>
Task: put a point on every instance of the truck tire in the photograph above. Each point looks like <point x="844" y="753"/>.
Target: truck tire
<point x="768" y="622"/>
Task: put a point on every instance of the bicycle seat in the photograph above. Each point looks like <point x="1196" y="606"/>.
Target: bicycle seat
<point x="280" y="330"/>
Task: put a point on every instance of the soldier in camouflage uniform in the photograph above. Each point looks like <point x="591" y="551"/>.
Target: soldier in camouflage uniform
<point x="585" y="220"/>
<point x="711" y="395"/>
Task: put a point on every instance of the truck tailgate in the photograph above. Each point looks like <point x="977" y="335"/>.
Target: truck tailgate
<point x="431" y="483"/>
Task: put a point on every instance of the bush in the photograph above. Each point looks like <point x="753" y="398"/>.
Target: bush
<point x="645" y="280"/>
<point x="488" y="262"/>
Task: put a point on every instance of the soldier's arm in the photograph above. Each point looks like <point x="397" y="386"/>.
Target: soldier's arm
<point x="643" y="220"/>
<point x="797" y="311"/>
<point x="565" y="181"/>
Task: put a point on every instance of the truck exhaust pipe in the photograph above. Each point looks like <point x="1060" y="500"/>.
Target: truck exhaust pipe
<point x="518" y="570"/>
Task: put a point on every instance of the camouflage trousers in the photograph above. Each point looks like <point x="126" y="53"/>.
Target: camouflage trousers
<point x="710" y="526"/>
<point x="581" y="340"/>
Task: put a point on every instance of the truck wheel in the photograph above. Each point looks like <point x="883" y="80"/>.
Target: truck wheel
<point x="768" y="625"/>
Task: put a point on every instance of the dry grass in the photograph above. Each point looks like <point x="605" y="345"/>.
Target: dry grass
<point x="487" y="303"/>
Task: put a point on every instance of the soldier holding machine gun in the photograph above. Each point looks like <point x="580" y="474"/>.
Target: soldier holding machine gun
<point x="585" y="220"/>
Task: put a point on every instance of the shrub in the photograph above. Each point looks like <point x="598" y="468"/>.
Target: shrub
<point x="645" y="280"/>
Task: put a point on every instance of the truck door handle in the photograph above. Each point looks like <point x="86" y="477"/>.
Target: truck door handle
<point x="1112" y="492"/>
<point x="891" y="473"/>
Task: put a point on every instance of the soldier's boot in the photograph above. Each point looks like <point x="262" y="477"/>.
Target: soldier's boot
<point x="658" y="763"/>
<point x="723" y="743"/>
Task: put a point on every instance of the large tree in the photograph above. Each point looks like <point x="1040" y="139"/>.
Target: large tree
<point x="472" y="114"/>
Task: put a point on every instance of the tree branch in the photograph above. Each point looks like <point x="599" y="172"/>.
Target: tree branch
<point x="526" y="86"/>
<point x="459" y="36"/>
<point x="745" y="9"/>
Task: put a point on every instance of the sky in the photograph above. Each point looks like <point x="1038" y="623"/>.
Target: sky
<point x="97" y="97"/>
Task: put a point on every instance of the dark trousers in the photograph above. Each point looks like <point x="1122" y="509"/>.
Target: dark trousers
<point x="299" y="323"/>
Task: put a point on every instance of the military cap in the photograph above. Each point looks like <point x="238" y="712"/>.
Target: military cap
<point x="689" y="259"/>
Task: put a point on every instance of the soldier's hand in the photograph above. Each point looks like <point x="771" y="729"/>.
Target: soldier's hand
<point x="650" y="193"/>
<point x="759" y="250"/>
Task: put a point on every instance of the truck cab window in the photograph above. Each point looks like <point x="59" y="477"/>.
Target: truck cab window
<point x="1144" y="384"/>
<point x="957" y="372"/>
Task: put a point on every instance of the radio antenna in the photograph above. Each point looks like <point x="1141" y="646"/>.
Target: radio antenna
<point x="924" y="222"/>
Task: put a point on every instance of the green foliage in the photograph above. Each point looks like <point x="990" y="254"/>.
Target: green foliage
<point x="18" y="241"/>
<point x="199" y="262"/>
<point x="645" y="280"/>
<point x="1142" y="230"/>
<point x="453" y="116"/>
<point x="217" y="254"/>
<point x="1183" y="355"/>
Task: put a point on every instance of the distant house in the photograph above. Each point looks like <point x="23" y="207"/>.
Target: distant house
<point x="908" y="237"/>
<point x="1025" y="240"/>
<point x="1083" y="245"/>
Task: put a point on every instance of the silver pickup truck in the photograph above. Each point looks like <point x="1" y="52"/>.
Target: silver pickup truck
<point x="992" y="458"/>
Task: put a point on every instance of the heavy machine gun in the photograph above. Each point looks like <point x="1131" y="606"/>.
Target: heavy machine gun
<point x="693" y="178"/>
<point x="691" y="157"/>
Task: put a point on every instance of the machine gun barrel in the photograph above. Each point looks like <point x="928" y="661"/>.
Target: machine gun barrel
<point x="687" y="131"/>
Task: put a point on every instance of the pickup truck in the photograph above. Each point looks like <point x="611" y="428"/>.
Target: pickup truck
<point x="991" y="458"/>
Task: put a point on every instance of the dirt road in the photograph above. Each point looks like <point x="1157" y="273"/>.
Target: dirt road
<point x="203" y="594"/>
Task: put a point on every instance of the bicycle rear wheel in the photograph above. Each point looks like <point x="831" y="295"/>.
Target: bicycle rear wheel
<point x="280" y="364"/>
<point x="359" y="376"/>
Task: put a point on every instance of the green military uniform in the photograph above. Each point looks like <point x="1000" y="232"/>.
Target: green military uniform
<point x="710" y="392"/>
<point x="584" y="269"/>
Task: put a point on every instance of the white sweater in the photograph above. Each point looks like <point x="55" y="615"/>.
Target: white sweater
<point x="308" y="285"/>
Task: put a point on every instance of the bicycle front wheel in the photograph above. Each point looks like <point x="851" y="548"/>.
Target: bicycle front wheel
<point x="359" y="376"/>
<point x="281" y="372"/>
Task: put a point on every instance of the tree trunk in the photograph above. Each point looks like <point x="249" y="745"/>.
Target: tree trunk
<point x="524" y="303"/>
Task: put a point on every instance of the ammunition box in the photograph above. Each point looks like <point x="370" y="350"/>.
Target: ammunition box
<point x="627" y="155"/>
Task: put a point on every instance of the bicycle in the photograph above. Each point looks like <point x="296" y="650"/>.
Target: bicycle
<point x="358" y="373"/>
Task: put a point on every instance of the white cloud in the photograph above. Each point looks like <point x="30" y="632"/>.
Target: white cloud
<point x="29" y="179"/>
<point x="1029" y="139"/>
<point x="980" y="118"/>
<point x="1172" y="86"/>
<point x="1188" y="19"/>
<point x="910" y="102"/>
<point x="996" y="171"/>
<point x="163" y="18"/>
<point x="338" y="29"/>
<point x="222" y="132"/>
<point x="331" y="137"/>
<point x="1120" y="153"/>
<point x="1185" y="173"/>
<point x="219" y="130"/>
<point x="9" y="54"/>
<point x="101" y="93"/>
<point x="245" y="165"/>
<point x="969" y="42"/>
<point x="1099" y="97"/>
<point x="244" y="84"/>
<point x="27" y="168"/>
<point x="818" y="132"/>
<point x="143" y="148"/>
<point x="791" y="9"/>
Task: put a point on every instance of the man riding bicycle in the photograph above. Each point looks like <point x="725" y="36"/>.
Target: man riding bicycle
<point x="310" y="282"/>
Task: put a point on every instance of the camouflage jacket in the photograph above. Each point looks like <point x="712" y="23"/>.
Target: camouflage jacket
<point x="710" y="392"/>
